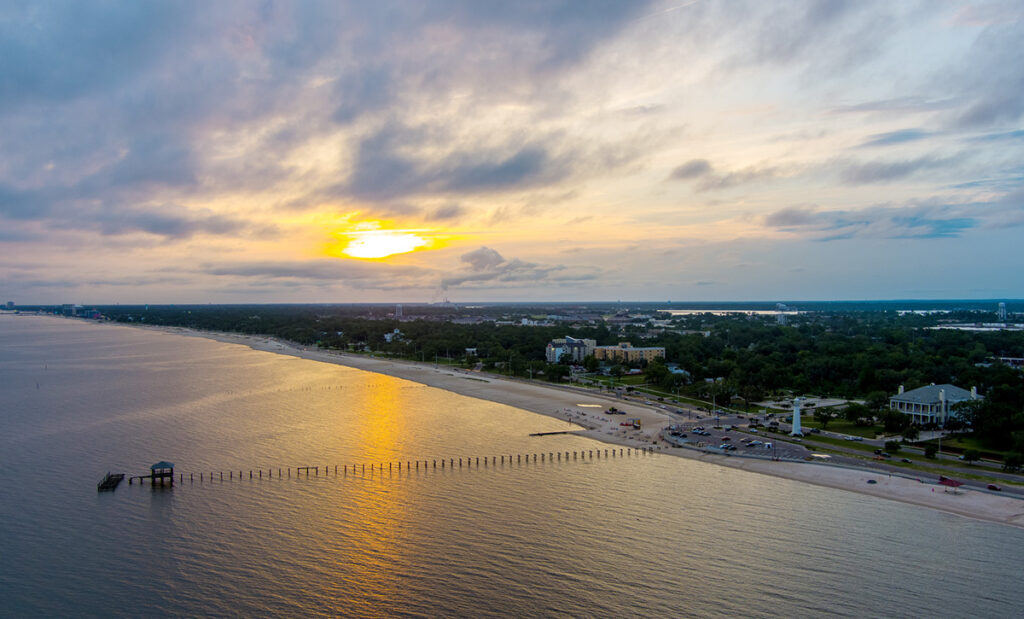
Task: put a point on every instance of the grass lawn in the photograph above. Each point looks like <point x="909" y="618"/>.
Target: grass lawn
<point x="842" y="426"/>
<point x="961" y="443"/>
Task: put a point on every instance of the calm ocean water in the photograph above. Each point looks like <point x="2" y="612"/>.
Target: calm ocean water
<point x="633" y="536"/>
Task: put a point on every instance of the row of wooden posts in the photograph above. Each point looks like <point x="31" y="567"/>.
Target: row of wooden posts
<point x="416" y="465"/>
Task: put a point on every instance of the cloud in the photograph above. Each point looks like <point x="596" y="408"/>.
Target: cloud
<point x="896" y="137"/>
<point x="857" y="173"/>
<point x="59" y="209"/>
<point x="913" y="221"/>
<point x="326" y="272"/>
<point x="792" y="216"/>
<point x="710" y="180"/>
<point x="486" y="268"/>
<point x="693" y="168"/>
<point x="999" y="136"/>
<point x="482" y="259"/>
<point x="446" y="212"/>
<point x="394" y="162"/>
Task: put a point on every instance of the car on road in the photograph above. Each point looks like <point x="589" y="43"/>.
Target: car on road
<point x="994" y="487"/>
<point x="905" y="460"/>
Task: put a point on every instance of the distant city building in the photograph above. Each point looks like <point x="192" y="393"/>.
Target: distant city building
<point x="577" y="349"/>
<point x="394" y="336"/>
<point x="780" y="313"/>
<point x="1001" y="312"/>
<point x="931" y="404"/>
<point x="625" y="351"/>
<point x="398" y="311"/>
<point x="10" y="305"/>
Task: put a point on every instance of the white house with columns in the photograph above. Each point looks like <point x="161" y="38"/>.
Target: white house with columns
<point x="931" y="404"/>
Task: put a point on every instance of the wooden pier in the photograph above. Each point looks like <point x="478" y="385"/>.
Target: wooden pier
<point x="162" y="471"/>
<point x="110" y="481"/>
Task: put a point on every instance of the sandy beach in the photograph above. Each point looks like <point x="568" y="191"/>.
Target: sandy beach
<point x="586" y="409"/>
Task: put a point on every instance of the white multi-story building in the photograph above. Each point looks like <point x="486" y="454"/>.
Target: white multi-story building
<point x="931" y="404"/>
<point x="577" y="349"/>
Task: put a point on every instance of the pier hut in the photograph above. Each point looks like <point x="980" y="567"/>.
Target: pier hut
<point x="162" y="470"/>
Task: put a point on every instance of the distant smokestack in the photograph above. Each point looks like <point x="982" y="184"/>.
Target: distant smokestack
<point x="901" y="390"/>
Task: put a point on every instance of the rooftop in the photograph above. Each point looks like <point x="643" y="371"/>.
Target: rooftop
<point x="930" y="394"/>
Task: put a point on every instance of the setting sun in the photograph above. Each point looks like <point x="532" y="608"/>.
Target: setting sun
<point x="382" y="243"/>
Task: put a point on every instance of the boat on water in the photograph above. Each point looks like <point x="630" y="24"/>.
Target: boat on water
<point x="110" y="481"/>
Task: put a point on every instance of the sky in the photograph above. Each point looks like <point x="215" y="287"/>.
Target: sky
<point x="341" y="152"/>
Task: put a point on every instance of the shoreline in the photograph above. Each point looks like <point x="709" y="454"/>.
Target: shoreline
<point x="565" y="403"/>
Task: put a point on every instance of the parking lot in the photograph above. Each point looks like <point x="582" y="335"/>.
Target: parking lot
<point x="734" y="436"/>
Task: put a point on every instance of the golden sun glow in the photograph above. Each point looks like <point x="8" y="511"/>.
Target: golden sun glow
<point x="382" y="243"/>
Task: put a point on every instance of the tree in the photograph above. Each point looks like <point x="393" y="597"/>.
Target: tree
<point x="971" y="456"/>
<point x="911" y="433"/>
<point x="823" y="416"/>
<point x="877" y="400"/>
<point x="591" y="364"/>
<point x="895" y="422"/>
<point x="1013" y="462"/>
<point x="855" y="411"/>
<point x="892" y="446"/>
<point x="930" y="451"/>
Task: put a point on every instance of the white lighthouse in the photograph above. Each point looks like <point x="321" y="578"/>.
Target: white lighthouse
<point x="796" y="418"/>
